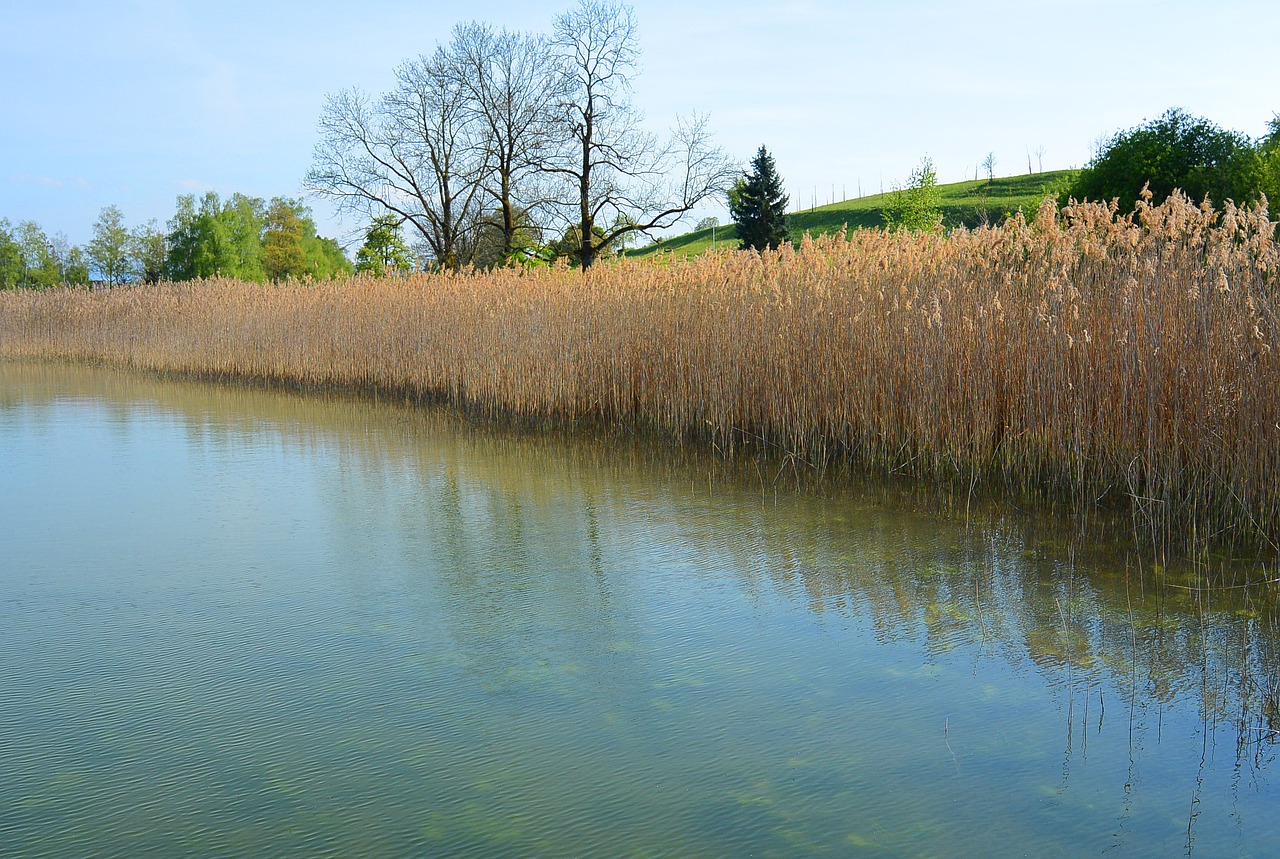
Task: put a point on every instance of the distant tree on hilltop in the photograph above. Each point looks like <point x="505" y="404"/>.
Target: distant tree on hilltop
<point x="918" y="206"/>
<point x="758" y="206"/>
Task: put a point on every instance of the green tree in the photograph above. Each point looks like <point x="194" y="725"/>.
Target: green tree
<point x="325" y="259"/>
<point x="196" y="238"/>
<point x="758" y="206"/>
<point x="384" y="249"/>
<point x="569" y="246"/>
<point x="1175" y="152"/>
<point x="148" y="249"/>
<point x="11" y="265"/>
<point x="918" y="206"/>
<point x="217" y="238"/>
<point x="291" y="248"/>
<point x="504" y="237"/>
<point x="39" y="263"/>
<point x="244" y="219"/>
<point x="1269" y="153"/>
<point x="75" y="267"/>
<point x="110" y="246"/>
<point x="284" y="252"/>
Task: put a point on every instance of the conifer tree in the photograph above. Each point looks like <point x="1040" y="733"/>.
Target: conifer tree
<point x="758" y="205"/>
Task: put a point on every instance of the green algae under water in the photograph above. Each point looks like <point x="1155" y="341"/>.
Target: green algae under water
<point x="245" y="622"/>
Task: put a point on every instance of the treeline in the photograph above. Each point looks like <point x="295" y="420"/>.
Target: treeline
<point x="1181" y="152"/>
<point x="31" y="259"/>
<point x="243" y="237"/>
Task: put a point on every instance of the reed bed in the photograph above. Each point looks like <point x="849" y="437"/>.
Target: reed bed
<point x="1084" y="356"/>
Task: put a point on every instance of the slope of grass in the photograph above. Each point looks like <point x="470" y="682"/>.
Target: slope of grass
<point x="969" y="203"/>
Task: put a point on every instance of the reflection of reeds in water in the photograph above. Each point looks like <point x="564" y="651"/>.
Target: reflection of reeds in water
<point x="1084" y="356"/>
<point x="1186" y="634"/>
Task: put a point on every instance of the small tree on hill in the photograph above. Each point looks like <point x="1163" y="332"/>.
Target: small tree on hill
<point x="758" y="206"/>
<point x="989" y="166"/>
<point x="918" y="206"/>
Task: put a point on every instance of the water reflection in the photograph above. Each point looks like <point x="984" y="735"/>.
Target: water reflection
<point x="398" y="631"/>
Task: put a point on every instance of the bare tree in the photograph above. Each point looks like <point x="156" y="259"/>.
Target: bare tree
<point x="513" y="88"/>
<point x="410" y="153"/>
<point x="989" y="165"/>
<point x="1039" y="150"/>
<point x="619" y="174"/>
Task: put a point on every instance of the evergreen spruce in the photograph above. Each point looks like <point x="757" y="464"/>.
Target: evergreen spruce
<point x="758" y="205"/>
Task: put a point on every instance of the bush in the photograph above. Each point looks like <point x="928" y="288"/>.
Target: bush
<point x="1175" y="152"/>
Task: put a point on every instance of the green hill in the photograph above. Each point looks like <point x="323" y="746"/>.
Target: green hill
<point x="968" y="203"/>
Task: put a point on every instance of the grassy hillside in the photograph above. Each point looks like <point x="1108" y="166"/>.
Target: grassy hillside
<point x="968" y="203"/>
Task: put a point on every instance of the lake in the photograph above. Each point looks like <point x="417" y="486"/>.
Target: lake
<point x="237" y="621"/>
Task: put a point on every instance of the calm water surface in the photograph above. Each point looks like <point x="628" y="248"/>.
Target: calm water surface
<point x="237" y="622"/>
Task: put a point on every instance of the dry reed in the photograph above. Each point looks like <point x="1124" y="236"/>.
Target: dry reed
<point x="1084" y="355"/>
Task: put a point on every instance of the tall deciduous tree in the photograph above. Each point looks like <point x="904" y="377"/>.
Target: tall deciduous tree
<point x="513" y="88"/>
<point x="40" y="264"/>
<point x="217" y="238"/>
<point x="284" y="237"/>
<point x="758" y="206"/>
<point x="11" y="265"/>
<point x="616" y="173"/>
<point x="410" y="153"/>
<point x="109" y="247"/>
<point x="148" y="246"/>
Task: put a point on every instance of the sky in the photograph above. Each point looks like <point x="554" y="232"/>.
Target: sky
<point x="134" y="102"/>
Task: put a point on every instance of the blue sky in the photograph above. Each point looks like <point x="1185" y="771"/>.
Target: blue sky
<point x="134" y="103"/>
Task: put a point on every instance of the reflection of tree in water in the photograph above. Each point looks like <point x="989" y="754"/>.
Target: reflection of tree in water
<point x="532" y="541"/>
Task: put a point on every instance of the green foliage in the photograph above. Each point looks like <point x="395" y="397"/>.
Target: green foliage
<point x="491" y="248"/>
<point x="11" y="265"/>
<point x="75" y="267"/>
<point x="758" y="206"/>
<point x="39" y="262"/>
<point x="195" y="238"/>
<point x="917" y="207"/>
<point x="109" y="249"/>
<point x="1269" y="153"/>
<point x="150" y="253"/>
<point x="245" y="219"/>
<point x="217" y="239"/>
<point x="283" y="252"/>
<point x="31" y="260"/>
<point x="247" y="239"/>
<point x="569" y="246"/>
<point x="384" y="250"/>
<point x="325" y="259"/>
<point x="1177" y="151"/>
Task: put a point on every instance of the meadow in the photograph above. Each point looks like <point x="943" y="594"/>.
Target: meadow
<point x="968" y="204"/>
<point x="1120" y="362"/>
